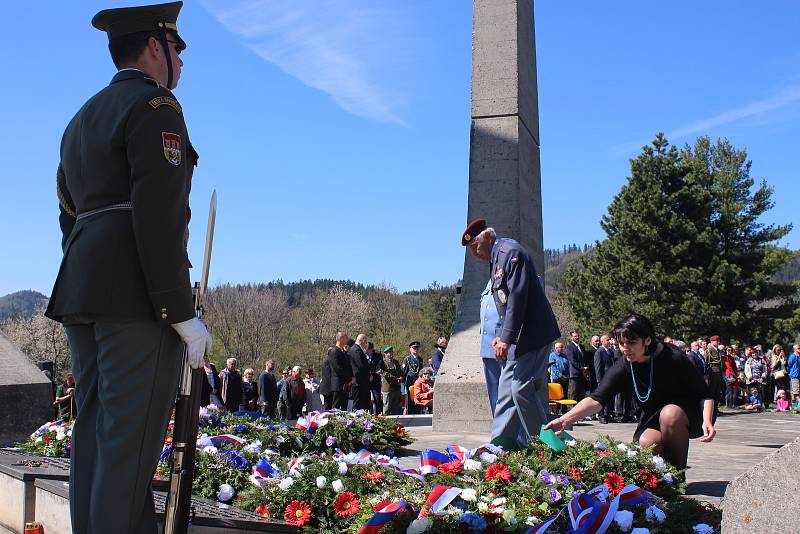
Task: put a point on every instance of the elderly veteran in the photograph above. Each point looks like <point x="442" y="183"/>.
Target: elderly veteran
<point x="526" y="327"/>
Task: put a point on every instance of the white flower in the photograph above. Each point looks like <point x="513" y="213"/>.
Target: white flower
<point x="279" y="439"/>
<point x="499" y="501"/>
<point x="532" y="520"/>
<point x="337" y="485"/>
<point x="659" y="462"/>
<point x="640" y="530"/>
<point x="488" y="457"/>
<point x="622" y="447"/>
<point x="483" y="507"/>
<point x="472" y="465"/>
<point x="655" y="514"/>
<point x="469" y="494"/>
<point x="418" y="526"/>
<point x="210" y="449"/>
<point x="571" y="443"/>
<point x="204" y="441"/>
<point x="322" y="482"/>
<point x="253" y="447"/>
<point x="668" y="479"/>
<point x="624" y="520"/>
<point x="342" y="468"/>
<point x="60" y="435"/>
<point x="286" y="483"/>
<point x="39" y="439"/>
<point x="631" y="453"/>
<point x="702" y="528"/>
<point x="225" y="492"/>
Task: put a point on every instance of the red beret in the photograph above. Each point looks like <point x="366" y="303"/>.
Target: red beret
<point x="473" y="229"/>
<point x="714" y="338"/>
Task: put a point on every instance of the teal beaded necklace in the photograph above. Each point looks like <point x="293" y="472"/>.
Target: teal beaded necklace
<point x="643" y="398"/>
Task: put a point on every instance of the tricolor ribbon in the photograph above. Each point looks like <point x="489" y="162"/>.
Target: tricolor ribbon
<point x="430" y="460"/>
<point x="227" y="438"/>
<point x="383" y="516"/>
<point x="264" y="469"/>
<point x="438" y="500"/>
<point x="590" y="513"/>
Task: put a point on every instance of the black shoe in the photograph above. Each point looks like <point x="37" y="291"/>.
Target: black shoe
<point x="603" y="420"/>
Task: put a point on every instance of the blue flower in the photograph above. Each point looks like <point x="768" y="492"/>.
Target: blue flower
<point x="366" y="442"/>
<point x="348" y="422"/>
<point x="547" y="478"/>
<point x="241" y="427"/>
<point x="600" y="445"/>
<point x="474" y="522"/>
<point x="237" y="460"/>
<point x="554" y="495"/>
<point x="165" y="452"/>
<point x="330" y="441"/>
<point x="390" y="452"/>
<point x="367" y="425"/>
<point x="271" y="427"/>
<point x="563" y="480"/>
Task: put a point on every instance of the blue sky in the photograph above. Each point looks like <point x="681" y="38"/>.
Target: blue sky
<point x="336" y="133"/>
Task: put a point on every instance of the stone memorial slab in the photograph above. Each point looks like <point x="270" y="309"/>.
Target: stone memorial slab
<point x="18" y="472"/>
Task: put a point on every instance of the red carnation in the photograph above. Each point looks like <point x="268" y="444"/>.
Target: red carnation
<point x="649" y="480"/>
<point x="262" y="510"/>
<point x="399" y="429"/>
<point x="381" y="505"/>
<point x="614" y="482"/>
<point x="346" y="504"/>
<point x="574" y="473"/>
<point x="297" y="513"/>
<point x="541" y="455"/>
<point x="498" y="472"/>
<point x="453" y="466"/>
<point x="602" y="453"/>
<point x="375" y="476"/>
<point x="47" y="439"/>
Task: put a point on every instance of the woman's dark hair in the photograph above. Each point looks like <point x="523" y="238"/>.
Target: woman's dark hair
<point x="126" y="49"/>
<point x="633" y="327"/>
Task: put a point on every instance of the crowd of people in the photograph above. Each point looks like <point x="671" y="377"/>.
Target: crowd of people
<point x="355" y="376"/>
<point x="738" y="376"/>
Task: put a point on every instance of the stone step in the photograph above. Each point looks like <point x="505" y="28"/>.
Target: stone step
<point x="211" y="517"/>
<point x="18" y="472"/>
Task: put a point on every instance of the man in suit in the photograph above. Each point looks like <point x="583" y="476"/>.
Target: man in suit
<point x="696" y="358"/>
<point x="337" y="374"/>
<point x="603" y="361"/>
<point x="589" y="354"/>
<point x="438" y="354"/>
<point x="211" y="384"/>
<point x="523" y="339"/>
<point x="268" y="389"/>
<point x="231" y="385"/>
<point x="123" y="290"/>
<point x="360" y="363"/>
<point x="577" y="367"/>
<point x="377" y="369"/>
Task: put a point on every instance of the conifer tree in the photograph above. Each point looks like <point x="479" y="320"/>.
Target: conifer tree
<point x="685" y="246"/>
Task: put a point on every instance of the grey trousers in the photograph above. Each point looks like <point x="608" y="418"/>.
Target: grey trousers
<point x="126" y="373"/>
<point x="521" y="396"/>
<point x="391" y="403"/>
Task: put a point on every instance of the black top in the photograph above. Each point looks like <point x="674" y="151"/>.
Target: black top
<point x="675" y="381"/>
<point x="336" y="371"/>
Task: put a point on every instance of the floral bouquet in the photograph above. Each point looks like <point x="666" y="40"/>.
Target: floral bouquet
<point x="50" y="439"/>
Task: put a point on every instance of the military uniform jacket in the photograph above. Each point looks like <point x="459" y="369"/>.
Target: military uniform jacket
<point x="525" y="313"/>
<point x="127" y="144"/>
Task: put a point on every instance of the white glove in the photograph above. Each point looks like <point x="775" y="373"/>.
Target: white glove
<point x="198" y="341"/>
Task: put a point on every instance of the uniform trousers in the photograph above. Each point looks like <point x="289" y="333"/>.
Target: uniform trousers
<point x="491" y="370"/>
<point x="391" y="403"/>
<point x="127" y="374"/>
<point x="521" y="396"/>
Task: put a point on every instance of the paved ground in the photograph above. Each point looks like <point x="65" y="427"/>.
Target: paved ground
<point x="743" y="439"/>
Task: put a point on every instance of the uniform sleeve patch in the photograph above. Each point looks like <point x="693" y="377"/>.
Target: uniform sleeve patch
<point x="172" y="147"/>
<point x="165" y="101"/>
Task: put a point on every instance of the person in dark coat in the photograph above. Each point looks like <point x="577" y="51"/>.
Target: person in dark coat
<point x="603" y="361"/>
<point x="123" y="291"/>
<point x="578" y="367"/>
<point x="411" y="368"/>
<point x="377" y="369"/>
<point x="231" y="386"/>
<point x="523" y="340"/>
<point x="268" y="390"/>
<point x="360" y="363"/>
<point x="337" y="374"/>
<point x="295" y="390"/>
<point x="249" y="392"/>
<point x="438" y="354"/>
<point x="211" y="384"/>
<point x="589" y="353"/>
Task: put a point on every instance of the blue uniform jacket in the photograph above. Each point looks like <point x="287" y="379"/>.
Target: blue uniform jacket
<point x="527" y="318"/>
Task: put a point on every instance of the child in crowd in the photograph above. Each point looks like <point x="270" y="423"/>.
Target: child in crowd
<point x="781" y="401"/>
<point x="755" y="403"/>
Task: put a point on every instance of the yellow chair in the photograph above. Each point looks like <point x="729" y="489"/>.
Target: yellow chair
<point x="411" y="394"/>
<point x="555" y="396"/>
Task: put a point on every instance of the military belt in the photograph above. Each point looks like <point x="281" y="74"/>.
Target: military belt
<point x="112" y="207"/>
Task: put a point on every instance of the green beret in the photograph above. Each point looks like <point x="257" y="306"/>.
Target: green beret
<point x="387" y="349"/>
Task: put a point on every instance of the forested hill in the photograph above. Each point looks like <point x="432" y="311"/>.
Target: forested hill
<point x="24" y="303"/>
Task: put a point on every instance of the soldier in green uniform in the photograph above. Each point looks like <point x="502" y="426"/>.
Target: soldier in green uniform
<point x="123" y="290"/>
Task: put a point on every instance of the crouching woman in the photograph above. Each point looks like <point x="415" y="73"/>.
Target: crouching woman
<point x="676" y="403"/>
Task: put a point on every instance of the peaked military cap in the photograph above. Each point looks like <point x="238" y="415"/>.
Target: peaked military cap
<point x="415" y="344"/>
<point x="126" y="20"/>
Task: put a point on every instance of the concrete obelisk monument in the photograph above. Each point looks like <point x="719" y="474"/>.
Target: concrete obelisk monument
<point x="504" y="188"/>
